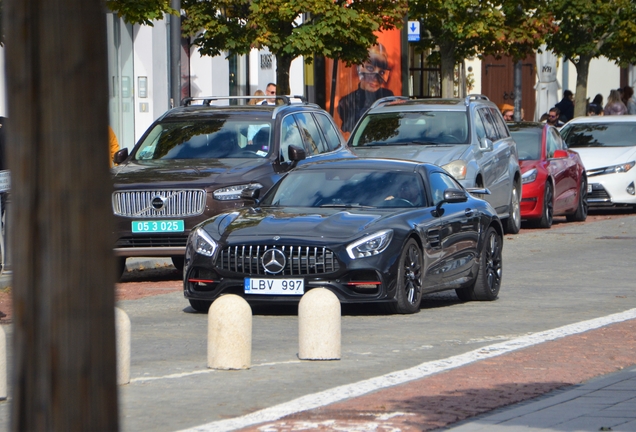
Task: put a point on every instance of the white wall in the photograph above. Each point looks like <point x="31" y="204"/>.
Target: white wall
<point x="604" y="76"/>
<point x="144" y="109"/>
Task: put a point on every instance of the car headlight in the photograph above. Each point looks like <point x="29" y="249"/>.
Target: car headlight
<point x="529" y="176"/>
<point x="622" y="168"/>
<point x="233" y="192"/>
<point x="457" y="169"/>
<point x="202" y="242"/>
<point x="370" y="245"/>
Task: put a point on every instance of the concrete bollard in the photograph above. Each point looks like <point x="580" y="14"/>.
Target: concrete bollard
<point x="319" y="325"/>
<point x="230" y="333"/>
<point x="122" y="333"/>
<point x="3" y="365"/>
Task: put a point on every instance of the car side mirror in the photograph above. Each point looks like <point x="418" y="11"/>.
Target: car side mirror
<point x="560" y="154"/>
<point x="485" y="144"/>
<point x="251" y="194"/>
<point x="451" y="196"/>
<point x="120" y="156"/>
<point x="296" y="153"/>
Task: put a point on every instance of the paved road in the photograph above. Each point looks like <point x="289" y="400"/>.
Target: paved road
<point x="571" y="273"/>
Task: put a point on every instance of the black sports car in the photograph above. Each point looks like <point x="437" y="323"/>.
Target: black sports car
<point x="370" y="230"/>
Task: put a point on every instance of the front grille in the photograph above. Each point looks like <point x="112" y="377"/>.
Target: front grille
<point x="171" y="203"/>
<point x="301" y="260"/>
<point x="152" y="241"/>
<point x="598" y="193"/>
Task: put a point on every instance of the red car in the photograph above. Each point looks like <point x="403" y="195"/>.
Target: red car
<point x="553" y="176"/>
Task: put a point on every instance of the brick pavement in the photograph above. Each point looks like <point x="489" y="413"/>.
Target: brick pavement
<point x="446" y="398"/>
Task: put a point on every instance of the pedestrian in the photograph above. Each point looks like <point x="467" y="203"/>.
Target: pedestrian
<point x="628" y="99"/>
<point x="596" y="106"/>
<point x="373" y="75"/>
<point x="508" y="112"/>
<point x="554" y="117"/>
<point x="257" y="101"/>
<point x="270" y="90"/>
<point x="615" y="105"/>
<point x="566" y="106"/>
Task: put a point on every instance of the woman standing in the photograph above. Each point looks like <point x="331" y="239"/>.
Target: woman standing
<point x="615" y="105"/>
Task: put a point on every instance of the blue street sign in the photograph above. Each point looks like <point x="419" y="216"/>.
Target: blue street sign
<point x="414" y="31"/>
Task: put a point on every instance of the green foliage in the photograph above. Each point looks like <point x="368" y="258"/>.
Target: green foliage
<point x="336" y="29"/>
<point x="140" y="11"/>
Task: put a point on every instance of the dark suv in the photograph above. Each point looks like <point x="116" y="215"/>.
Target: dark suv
<point x="466" y="136"/>
<point x="195" y="160"/>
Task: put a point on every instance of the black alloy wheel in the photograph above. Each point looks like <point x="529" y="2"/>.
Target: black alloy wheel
<point x="486" y="285"/>
<point x="409" y="280"/>
<point x="581" y="209"/>
<point x="547" y="215"/>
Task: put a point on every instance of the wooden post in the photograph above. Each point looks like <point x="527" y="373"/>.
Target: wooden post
<point x="62" y="236"/>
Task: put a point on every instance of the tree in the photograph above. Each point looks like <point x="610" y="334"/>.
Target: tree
<point x="63" y="264"/>
<point x="338" y="29"/>
<point x="589" y="29"/>
<point x="463" y="28"/>
<point x="140" y="11"/>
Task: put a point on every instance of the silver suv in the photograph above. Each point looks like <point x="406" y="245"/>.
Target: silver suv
<point x="467" y="137"/>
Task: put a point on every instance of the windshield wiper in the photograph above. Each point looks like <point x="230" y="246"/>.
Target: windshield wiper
<point x="346" y="206"/>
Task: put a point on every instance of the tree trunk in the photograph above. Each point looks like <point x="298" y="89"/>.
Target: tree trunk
<point x="62" y="224"/>
<point x="447" y="52"/>
<point x="582" y="72"/>
<point x="283" y="64"/>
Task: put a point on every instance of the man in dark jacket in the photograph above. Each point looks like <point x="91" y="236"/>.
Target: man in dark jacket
<point x="566" y="106"/>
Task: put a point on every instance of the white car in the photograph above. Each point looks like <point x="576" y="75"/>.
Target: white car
<point x="607" y="146"/>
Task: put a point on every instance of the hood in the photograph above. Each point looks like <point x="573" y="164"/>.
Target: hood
<point x="192" y="172"/>
<point x="438" y="154"/>
<point x="294" y="223"/>
<point x="600" y="157"/>
<point x="527" y="165"/>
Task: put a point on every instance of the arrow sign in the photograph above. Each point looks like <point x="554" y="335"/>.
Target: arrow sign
<point x="414" y="31"/>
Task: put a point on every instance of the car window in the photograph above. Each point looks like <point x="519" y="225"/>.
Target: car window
<point x="500" y="124"/>
<point x="553" y="142"/>
<point x="314" y="142"/>
<point x="356" y="187"/>
<point x="209" y="139"/>
<point x="439" y="183"/>
<point x="331" y="134"/>
<point x="528" y="143"/>
<point x="489" y="124"/>
<point x="290" y="135"/>
<point x="412" y="127"/>
<point x="615" y="134"/>
<point x="480" y="129"/>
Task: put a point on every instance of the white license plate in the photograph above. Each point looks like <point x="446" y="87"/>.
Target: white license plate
<point x="589" y="188"/>
<point x="270" y="286"/>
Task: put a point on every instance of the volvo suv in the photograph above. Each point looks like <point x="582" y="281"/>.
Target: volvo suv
<point x="195" y="160"/>
<point x="466" y="136"/>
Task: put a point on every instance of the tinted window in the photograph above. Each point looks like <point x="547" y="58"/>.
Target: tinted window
<point x="355" y="187"/>
<point x="500" y="124"/>
<point x="439" y="183"/>
<point x="528" y="143"/>
<point x="400" y="128"/>
<point x="209" y="139"/>
<point x="600" y="135"/>
<point x="331" y="134"/>
<point x="314" y="142"/>
<point x="553" y="142"/>
<point x="489" y="125"/>
<point x="290" y="135"/>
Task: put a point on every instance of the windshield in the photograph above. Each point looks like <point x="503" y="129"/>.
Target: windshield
<point x="528" y="143"/>
<point x="619" y="134"/>
<point x="216" y="138"/>
<point x="350" y="188"/>
<point x="408" y="128"/>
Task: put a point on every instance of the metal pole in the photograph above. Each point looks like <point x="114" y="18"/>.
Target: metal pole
<point x="175" y="54"/>
<point x="517" y="85"/>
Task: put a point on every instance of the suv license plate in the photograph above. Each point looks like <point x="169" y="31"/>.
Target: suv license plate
<point x="274" y="286"/>
<point x="158" y="226"/>
<point x="589" y="188"/>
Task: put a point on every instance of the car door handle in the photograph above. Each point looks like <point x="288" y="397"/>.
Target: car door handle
<point x="469" y="212"/>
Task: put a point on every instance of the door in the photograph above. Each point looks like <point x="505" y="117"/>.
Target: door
<point x="497" y="82"/>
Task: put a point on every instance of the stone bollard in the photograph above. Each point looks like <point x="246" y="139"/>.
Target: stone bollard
<point x="319" y="325"/>
<point x="3" y="365"/>
<point x="122" y="333"/>
<point x="230" y="333"/>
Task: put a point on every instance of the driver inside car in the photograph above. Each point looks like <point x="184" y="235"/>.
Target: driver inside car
<point x="408" y="191"/>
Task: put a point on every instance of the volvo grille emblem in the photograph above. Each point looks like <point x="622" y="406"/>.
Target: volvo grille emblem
<point x="158" y="202"/>
<point x="273" y="261"/>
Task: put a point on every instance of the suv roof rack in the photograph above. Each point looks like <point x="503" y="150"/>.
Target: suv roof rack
<point x="472" y="97"/>
<point x="206" y="100"/>
<point x="388" y="99"/>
